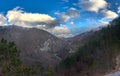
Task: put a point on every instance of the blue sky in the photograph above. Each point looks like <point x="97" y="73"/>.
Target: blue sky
<point x="63" y="18"/>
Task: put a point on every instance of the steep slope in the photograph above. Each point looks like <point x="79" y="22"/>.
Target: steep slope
<point x="35" y="45"/>
<point x="11" y="65"/>
<point x="78" y="41"/>
<point x="98" y="56"/>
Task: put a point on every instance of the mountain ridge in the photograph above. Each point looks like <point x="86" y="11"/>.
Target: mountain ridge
<point x="98" y="56"/>
<point x="35" y="45"/>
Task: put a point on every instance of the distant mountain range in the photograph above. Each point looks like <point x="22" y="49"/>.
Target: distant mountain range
<point x="39" y="46"/>
<point x="92" y="53"/>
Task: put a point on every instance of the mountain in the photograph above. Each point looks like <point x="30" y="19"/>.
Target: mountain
<point x="93" y="53"/>
<point x="78" y="41"/>
<point x="100" y="54"/>
<point x="35" y="45"/>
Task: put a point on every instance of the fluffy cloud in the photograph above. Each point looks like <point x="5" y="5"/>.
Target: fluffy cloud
<point x="37" y="20"/>
<point x="19" y="17"/>
<point x="118" y="10"/>
<point x="92" y="5"/>
<point x="60" y="31"/>
<point x="2" y="20"/>
<point x="72" y="13"/>
<point x="40" y="21"/>
<point x="109" y="14"/>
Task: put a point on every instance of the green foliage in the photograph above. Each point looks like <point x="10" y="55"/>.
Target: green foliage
<point x="50" y="71"/>
<point x="100" y="52"/>
<point x="5" y="69"/>
<point x="37" y="70"/>
<point x="10" y="62"/>
<point x="15" y="61"/>
<point x="26" y="71"/>
<point x="68" y="61"/>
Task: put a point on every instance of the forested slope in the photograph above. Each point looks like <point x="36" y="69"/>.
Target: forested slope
<point x="98" y="56"/>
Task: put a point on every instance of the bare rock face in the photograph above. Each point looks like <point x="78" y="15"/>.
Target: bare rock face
<point x="35" y="45"/>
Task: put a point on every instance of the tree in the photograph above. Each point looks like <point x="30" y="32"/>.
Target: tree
<point x="50" y="71"/>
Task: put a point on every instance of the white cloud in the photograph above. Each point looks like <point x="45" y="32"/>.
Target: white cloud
<point x="109" y="14"/>
<point x="118" y="10"/>
<point x="72" y="24"/>
<point x="28" y="17"/>
<point x="72" y="13"/>
<point x="93" y="5"/>
<point x="64" y="17"/>
<point x="104" y="21"/>
<point x="2" y="20"/>
<point x="37" y="20"/>
<point x="40" y="21"/>
<point x="60" y="31"/>
<point x="19" y="17"/>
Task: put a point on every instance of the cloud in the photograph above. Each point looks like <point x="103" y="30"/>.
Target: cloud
<point x="93" y="5"/>
<point x="19" y="17"/>
<point x="2" y="20"/>
<point x="60" y="31"/>
<point x="72" y="13"/>
<point x="40" y="21"/>
<point x="45" y="22"/>
<point x="109" y="14"/>
<point x="72" y="24"/>
<point x="118" y="10"/>
<point x="104" y="21"/>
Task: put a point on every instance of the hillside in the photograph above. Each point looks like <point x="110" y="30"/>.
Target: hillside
<point x="35" y="45"/>
<point x="94" y="53"/>
<point x="99" y="56"/>
<point x="12" y="65"/>
<point x="78" y="41"/>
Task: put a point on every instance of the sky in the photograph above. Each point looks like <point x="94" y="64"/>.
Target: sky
<point x="63" y="18"/>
